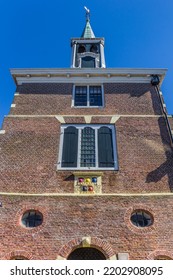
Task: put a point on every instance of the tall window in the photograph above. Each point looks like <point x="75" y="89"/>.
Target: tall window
<point x="88" y="147"/>
<point x="88" y="96"/>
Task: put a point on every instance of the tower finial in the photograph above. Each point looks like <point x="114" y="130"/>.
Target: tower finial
<point x="87" y="13"/>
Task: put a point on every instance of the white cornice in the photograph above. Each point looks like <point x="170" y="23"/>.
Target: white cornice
<point x="73" y="75"/>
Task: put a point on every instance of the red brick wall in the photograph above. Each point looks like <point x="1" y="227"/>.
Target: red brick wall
<point x="66" y="220"/>
<point x="56" y="99"/>
<point x="28" y="157"/>
<point x="30" y="146"/>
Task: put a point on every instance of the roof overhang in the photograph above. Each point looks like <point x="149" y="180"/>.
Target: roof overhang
<point x="87" y="75"/>
<point x="87" y="40"/>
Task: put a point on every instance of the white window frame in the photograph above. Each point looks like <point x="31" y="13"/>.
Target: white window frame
<point x="96" y="128"/>
<point x="88" y="105"/>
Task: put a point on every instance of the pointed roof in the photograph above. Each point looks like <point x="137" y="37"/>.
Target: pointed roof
<point x="88" y="32"/>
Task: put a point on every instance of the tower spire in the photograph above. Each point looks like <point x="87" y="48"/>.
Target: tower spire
<point x="87" y="32"/>
<point x="87" y="51"/>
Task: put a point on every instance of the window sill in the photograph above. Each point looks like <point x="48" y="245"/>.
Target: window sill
<point x="89" y="170"/>
<point x="92" y="173"/>
<point x="84" y="107"/>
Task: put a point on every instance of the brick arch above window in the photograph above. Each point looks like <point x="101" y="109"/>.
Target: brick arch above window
<point x="18" y="253"/>
<point x="160" y="255"/>
<point x="93" y="242"/>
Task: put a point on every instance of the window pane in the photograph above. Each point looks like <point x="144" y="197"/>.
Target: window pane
<point x="80" y="96"/>
<point x="87" y="147"/>
<point x="95" y="96"/>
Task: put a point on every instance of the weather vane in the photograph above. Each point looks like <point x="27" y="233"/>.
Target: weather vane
<point x="87" y="13"/>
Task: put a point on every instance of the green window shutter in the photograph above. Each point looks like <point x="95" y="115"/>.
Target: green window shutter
<point x="70" y="147"/>
<point x="105" y="147"/>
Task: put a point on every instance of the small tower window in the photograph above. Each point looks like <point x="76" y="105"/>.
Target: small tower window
<point x="94" y="49"/>
<point x="32" y="218"/>
<point x="81" y="49"/>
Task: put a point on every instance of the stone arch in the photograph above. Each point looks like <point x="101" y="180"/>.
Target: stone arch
<point x="87" y="242"/>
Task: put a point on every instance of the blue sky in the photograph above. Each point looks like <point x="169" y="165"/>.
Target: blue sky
<point x="36" y="34"/>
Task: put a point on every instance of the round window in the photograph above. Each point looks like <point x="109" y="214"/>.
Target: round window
<point x="141" y="218"/>
<point x="32" y="218"/>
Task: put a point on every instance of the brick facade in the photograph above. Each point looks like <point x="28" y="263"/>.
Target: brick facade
<point x="120" y="99"/>
<point x="29" y="178"/>
<point x="67" y="220"/>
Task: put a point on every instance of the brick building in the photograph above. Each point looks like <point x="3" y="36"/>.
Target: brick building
<point x="86" y="162"/>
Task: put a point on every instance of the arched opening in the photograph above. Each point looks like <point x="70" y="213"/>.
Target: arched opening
<point x="94" y="49"/>
<point x="88" y="62"/>
<point x="86" y="254"/>
<point x="81" y="49"/>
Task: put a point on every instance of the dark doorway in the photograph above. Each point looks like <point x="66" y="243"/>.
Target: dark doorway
<point x="86" y="254"/>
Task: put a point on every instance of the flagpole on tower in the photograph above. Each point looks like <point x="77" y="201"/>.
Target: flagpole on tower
<point x="87" y="13"/>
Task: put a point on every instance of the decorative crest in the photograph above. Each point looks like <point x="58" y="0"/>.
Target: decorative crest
<point x="87" y="13"/>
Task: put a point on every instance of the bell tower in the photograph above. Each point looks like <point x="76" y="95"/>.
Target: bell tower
<point x="88" y="50"/>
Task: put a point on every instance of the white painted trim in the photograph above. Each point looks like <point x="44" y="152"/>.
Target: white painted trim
<point x="78" y="116"/>
<point x="73" y="96"/>
<point x="80" y="79"/>
<point x="87" y="119"/>
<point x="96" y="194"/>
<point x="60" y="119"/>
<point x="2" y="131"/>
<point x="96" y="149"/>
<point x="137" y="75"/>
<point x="90" y="41"/>
<point x="79" y="149"/>
<point x="60" y="150"/>
<point x="73" y="55"/>
<point x="102" y="56"/>
<point x="114" y="119"/>
<point x="123" y="256"/>
<point x="60" y="71"/>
